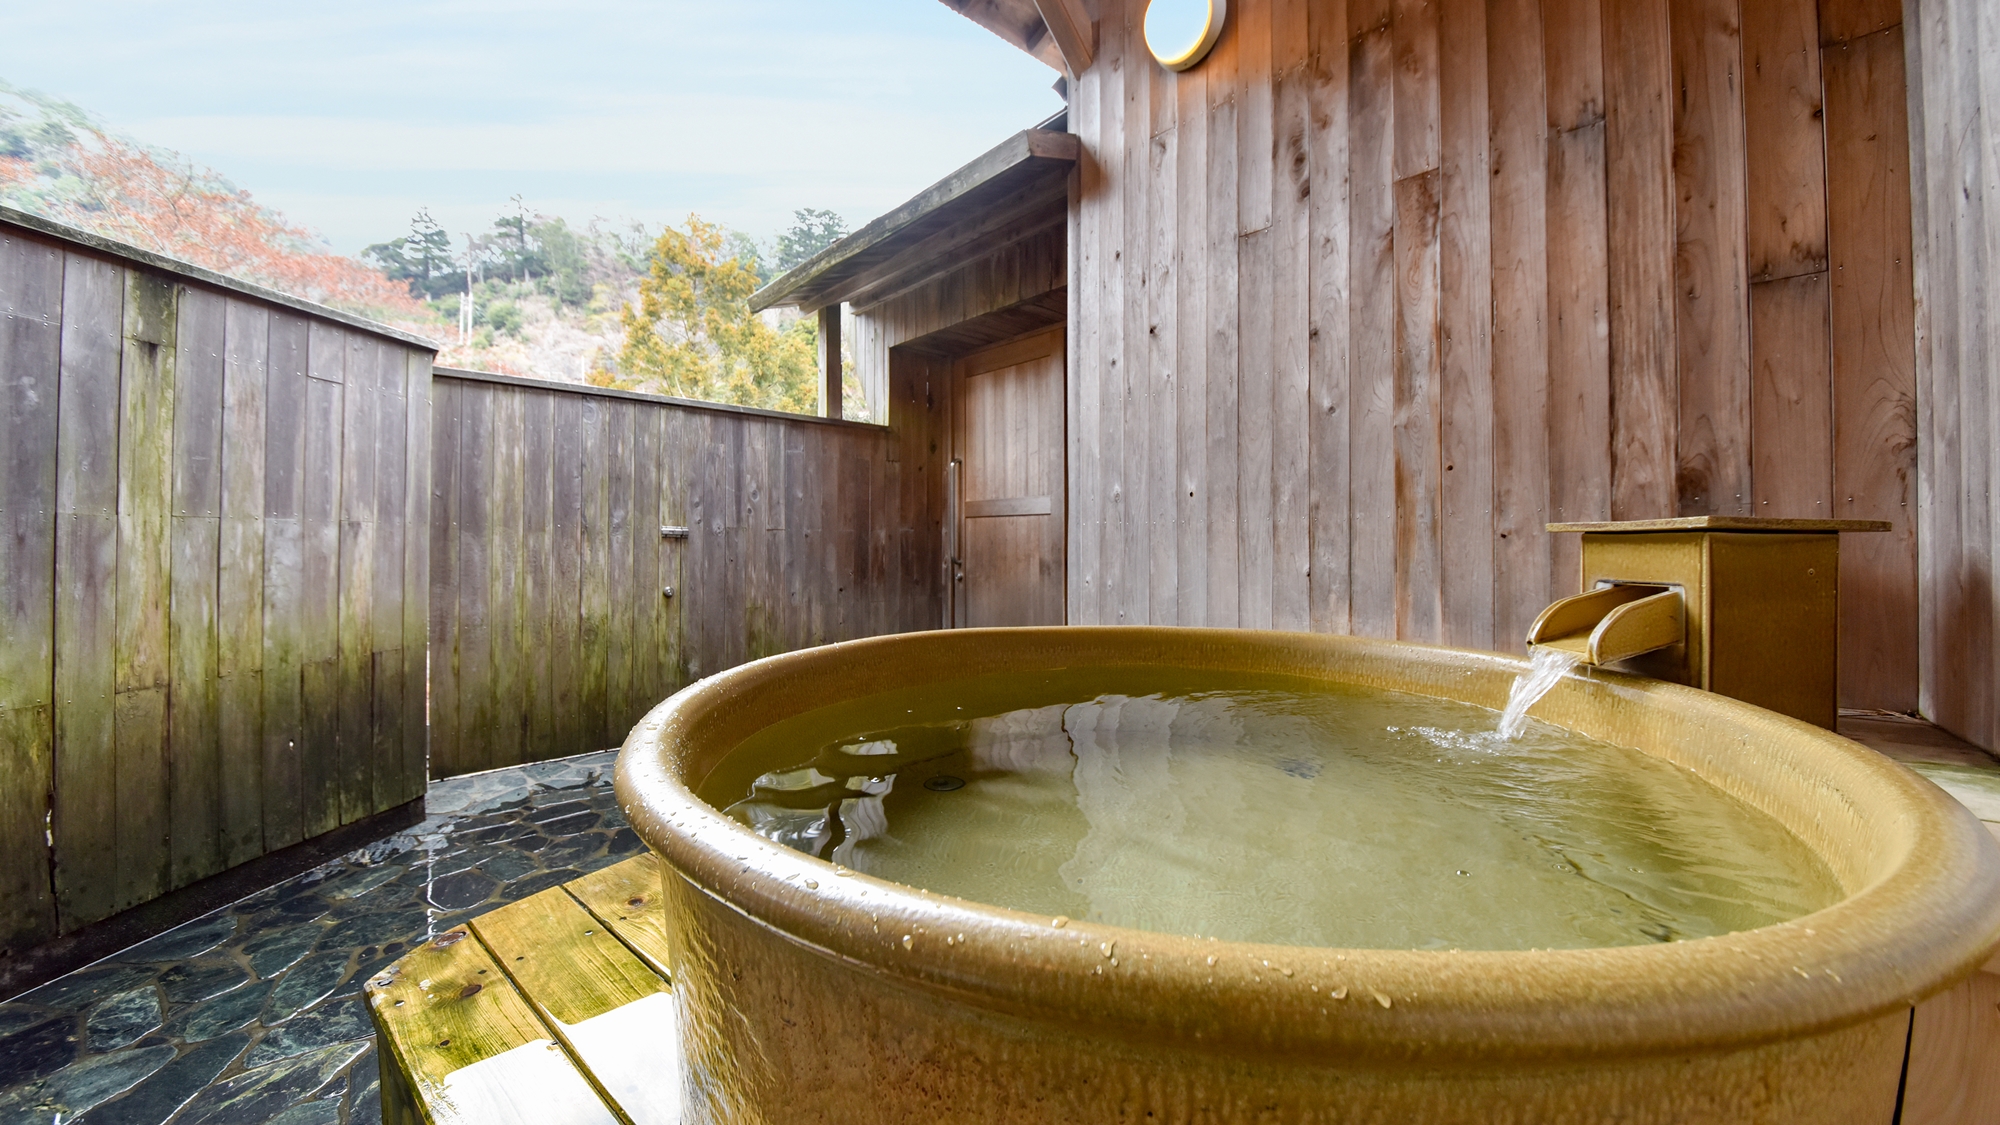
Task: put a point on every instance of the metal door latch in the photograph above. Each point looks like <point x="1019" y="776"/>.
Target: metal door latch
<point x="671" y="532"/>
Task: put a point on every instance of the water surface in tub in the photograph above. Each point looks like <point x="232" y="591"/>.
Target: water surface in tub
<point x="1267" y="809"/>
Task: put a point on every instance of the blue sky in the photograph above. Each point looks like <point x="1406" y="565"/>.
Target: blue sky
<point x="349" y="116"/>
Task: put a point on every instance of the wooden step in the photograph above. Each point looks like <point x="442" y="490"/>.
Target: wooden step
<point x="555" y="1009"/>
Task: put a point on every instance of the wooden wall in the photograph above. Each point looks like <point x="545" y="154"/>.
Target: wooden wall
<point x="1381" y="287"/>
<point x="1015" y="289"/>
<point x="1955" y="52"/>
<point x="550" y="632"/>
<point x="212" y="506"/>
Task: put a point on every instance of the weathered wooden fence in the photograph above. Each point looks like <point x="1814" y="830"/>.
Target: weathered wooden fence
<point x="551" y="627"/>
<point x="212" y="584"/>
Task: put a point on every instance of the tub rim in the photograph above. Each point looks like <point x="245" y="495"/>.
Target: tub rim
<point x="1922" y="909"/>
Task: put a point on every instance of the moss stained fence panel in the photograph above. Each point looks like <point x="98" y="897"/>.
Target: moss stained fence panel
<point x="211" y="575"/>
<point x="562" y="516"/>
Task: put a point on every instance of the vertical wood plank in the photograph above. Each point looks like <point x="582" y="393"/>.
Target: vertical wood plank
<point x="476" y="457"/>
<point x="1291" y="320"/>
<point x="1519" y="241"/>
<point x="1417" y="409"/>
<point x="194" y="770"/>
<point x="285" y="419"/>
<point x="416" y="579"/>
<point x="1711" y="266"/>
<point x="31" y="315"/>
<point x="240" y="581"/>
<point x="320" y="580"/>
<point x="1164" y="506"/>
<point x="572" y="467"/>
<point x="1465" y="266"/>
<point x="538" y="566"/>
<point x="1191" y="337"/>
<point x="1372" y="329"/>
<point x="1114" y="373"/>
<point x="145" y="502"/>
<point x="595" y="608"/>
<point x="1579" y="363"/>
<point x="1639" y="185"/>
<point x="385" y="610"/>
<point x="355" y="631"/>
<point x="1785" y="190"/>
<point x="1224" y="526"/>
<point x="85" y="825"/>
<point x="1137" y="354"/>
<point x="447" y="749"/>
<point x="1791" y="427"/>
<point x="505" y="617"/>
<point x="1873" y="324"/>
<point x="1329" y="257"/>
<point x="1255" y="272"/>
<point x="617" y="574"/>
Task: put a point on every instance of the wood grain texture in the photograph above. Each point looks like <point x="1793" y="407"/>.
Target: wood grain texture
<point x="31" y="299"/>
<point x="1956" y="239"/>
<point x="1791" y="427"/>
<point x="1785" y="196"/>
<point x="85" y="788"/>
<point x="1522" y="319"/>
<point x="1638" y="156"/>
<point x="190" y="507"/>
<point x="1954" y="1069"/>
<point x="625" y="897"/>
<point x="145" y="476"/>
<point x="1711" y="264"/>
<point x="1520" y="372"/>
<point x="1467" y="304"/>
<point x="194" y="769"/>
<point x="548" y="624"/>
<point x="1873" y="321"/>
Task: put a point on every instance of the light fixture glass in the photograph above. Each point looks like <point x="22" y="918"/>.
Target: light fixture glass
<point x="1180" y="32"/>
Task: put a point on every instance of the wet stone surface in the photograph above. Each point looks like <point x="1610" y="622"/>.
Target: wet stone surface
<point x="253" y="1014"/>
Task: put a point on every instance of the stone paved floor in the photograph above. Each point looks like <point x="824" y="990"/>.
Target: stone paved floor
<point x="254" y="1013"/>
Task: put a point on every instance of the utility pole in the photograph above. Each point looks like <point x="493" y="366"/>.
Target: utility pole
<point x="465" y="306"/>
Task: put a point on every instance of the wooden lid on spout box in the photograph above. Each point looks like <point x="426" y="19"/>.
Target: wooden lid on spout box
<point x="1722" y="523"/>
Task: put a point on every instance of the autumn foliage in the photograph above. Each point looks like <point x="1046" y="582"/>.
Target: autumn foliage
<point x="121" y="191"/>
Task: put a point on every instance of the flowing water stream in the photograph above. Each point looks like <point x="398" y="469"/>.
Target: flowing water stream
<point x="1546" y="668"/>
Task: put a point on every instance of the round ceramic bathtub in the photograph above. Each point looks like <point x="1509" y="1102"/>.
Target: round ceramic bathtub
<point x="809" y="992"/>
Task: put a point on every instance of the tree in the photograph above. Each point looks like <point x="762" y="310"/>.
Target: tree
<point x="693" y="334"/>
<point x="422" y="258"/>
<point x="812" y="230"/>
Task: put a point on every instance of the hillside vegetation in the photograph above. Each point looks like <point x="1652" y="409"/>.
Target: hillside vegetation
<point x="611" y="304"/>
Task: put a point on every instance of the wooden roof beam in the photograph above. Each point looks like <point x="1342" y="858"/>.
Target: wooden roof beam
<point x="964" y="197"/>
<point x="1072" y="29"/>
<point x="1017" y="21"/>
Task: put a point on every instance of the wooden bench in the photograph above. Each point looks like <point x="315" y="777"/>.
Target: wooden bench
<point x="556" y="1010"/>
<point x="553" y="1010"/>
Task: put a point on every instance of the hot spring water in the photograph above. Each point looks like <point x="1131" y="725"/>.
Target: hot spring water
<point x="1267" y="809"/>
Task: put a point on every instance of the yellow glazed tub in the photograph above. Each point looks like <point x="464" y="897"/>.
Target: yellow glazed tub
<point x="809" y="993"/>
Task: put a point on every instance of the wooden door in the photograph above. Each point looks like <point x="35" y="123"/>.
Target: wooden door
<point x="1007" y="481"/>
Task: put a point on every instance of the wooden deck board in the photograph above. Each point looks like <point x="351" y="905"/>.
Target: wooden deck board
<point x="551" y="1009"/>
<point x="626" y="898"/>
<point x="463" y="1045"/>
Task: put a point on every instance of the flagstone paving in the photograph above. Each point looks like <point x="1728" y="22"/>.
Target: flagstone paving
<point x="253" y="1014"/>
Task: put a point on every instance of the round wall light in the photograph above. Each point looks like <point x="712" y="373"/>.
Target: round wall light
<point x="1180" y="32"/>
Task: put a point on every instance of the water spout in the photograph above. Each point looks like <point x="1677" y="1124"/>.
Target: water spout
<point x="1546" y="667"/>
